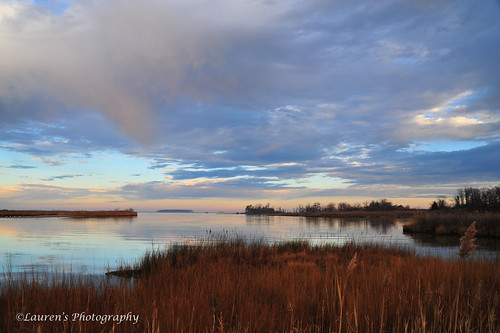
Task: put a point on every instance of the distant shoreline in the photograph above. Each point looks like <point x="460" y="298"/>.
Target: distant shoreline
<point x="68" y="213"/>
<point x="353" y="214"/>
<point x="174" y="211"/>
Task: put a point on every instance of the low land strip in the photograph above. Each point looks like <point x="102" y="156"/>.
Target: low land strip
<point x="67" y="213"/>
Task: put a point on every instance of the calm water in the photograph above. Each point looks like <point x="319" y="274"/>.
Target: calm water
<point x="92" y="246"/>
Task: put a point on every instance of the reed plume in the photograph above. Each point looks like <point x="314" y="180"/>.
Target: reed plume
<point x="467" y="242"/>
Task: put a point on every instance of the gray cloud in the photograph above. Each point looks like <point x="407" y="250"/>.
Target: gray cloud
<point x="224" y="89"/>
<point x="17" y="166"/>
<point x="61" y="177"/>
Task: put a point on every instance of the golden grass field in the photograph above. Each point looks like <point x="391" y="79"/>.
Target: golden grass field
<point x="236" y="286"/>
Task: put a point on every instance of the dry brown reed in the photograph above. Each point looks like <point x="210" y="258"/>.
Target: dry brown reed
<point x="234" y="286"/>
<point x="467" y="242"/>
<point x="455" y="222"/>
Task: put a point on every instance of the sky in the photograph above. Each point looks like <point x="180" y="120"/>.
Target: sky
<point x="216" y="104"/>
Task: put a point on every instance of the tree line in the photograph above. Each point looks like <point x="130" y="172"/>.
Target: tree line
<point x="259" y="209"/>
<point x="374" y="205"/>
<point x="470" y="198"/>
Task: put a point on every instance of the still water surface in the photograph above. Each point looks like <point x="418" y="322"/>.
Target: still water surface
<point x="93" y="246"/>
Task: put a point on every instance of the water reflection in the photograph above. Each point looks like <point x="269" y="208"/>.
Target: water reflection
<point x="487" y="244"/>
<point x="379" y="225"/>
<point x="129" y="219"/>
<point x="92" y="245"/>
<point x="258" y="219"/>
<point x="382" y="225"/>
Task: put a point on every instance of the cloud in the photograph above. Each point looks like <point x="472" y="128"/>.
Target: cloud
<point x="61" y="177"/>
<point x="203" y="189"/>
<point x="135" y="62"/>
<point x="426" y="168"/>
<point x="122" y="58"/>
<point x="45" y="192"/>
<point x="218" y="92"/>
<point x="69" y="134"/>
<point x="49" y="161"/>
<point x="17" y="166"/>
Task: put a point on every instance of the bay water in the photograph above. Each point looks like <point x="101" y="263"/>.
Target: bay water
<point x="92" y="246"/>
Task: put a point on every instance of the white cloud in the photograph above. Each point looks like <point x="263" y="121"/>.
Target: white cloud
<point x="451" y="121"/>
<point x="463" y="121"/>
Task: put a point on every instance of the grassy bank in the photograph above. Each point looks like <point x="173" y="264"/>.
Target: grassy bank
<point x="234" y="286"/>
<point x="455" y="222"/>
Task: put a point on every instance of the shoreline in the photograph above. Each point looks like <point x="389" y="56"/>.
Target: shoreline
<point x="422" y="221"/>
<point x="67" y="213"/>
<point x="455" y="223"/>
<point x="352" y="214"/>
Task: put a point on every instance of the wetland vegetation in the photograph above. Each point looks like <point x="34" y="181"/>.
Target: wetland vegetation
<point x="231" y="285"/>
<point x="453" y="217"/>
<point x="68" y="213"/>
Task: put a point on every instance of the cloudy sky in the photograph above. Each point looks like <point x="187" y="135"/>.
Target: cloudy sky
<point x="215" y="104"/>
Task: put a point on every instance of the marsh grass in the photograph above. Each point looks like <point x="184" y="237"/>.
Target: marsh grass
<point x="240" y="286"/>
<point x="455" y="222"/>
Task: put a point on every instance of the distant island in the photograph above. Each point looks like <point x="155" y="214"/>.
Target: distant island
<point x="174" y="211"/>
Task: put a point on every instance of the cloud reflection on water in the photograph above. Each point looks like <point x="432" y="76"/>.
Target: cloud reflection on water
<point x="92" y="245"/>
